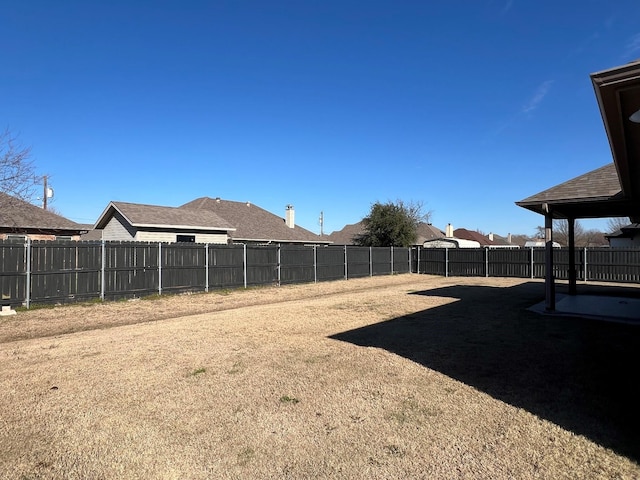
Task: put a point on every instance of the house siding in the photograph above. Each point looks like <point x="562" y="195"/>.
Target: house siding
<point x="170" y="237"/>
<point x="118" y="229"/>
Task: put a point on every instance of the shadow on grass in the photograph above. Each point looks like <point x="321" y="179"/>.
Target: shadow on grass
<point x="579" y="374"/>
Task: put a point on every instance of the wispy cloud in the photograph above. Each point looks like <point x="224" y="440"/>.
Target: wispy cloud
<point x="632" y="48"/>
<point x="537" y="97"/>
<point x="507" y="6"/>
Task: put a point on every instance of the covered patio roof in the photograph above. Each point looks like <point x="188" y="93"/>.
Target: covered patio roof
<point x="612" y="190"/>
<point x="609" y="191"/>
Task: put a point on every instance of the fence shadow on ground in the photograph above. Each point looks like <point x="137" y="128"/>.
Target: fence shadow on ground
<point x="579" y="374"/>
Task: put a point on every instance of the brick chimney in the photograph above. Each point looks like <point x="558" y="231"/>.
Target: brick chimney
<point x="290" y="215"/>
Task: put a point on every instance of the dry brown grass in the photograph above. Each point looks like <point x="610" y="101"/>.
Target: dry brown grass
<point x="387" y="377"/>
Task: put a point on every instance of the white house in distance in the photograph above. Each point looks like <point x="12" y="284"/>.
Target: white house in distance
<point x="152" y="223"/>
<point x="627" y="237"/>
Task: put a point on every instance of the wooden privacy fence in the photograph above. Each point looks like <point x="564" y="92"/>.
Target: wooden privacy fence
<point x="592" y="264"/>
<point x="67" y="271"/>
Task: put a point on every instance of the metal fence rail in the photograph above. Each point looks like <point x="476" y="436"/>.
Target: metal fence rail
<point x="67" y="271"/>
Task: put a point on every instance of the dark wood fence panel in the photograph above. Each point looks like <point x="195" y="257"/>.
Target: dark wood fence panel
<point x="401" y="260"/>
<point x="65" y="271"/>
<point x="183" y="267"/>
<point x="613" y="264"/>
<point x="431" y="261"/>
<point x="330" y="263"/>
<point x="380" y="261"/>
<point x="297" y="264"/>
<point x="262" y="265"/>
<point x="510" y="262"/>
<point x="226" y="266"/>
<point x="131" y="269"/>
<point x="13" y="272"/>
<point x="467" y="262"/>
<point x="358" y="262"/>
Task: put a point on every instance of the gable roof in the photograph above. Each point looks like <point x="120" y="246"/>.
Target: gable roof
<point x="426" y="231"/>
<point x="465" y="234"/>
<point x="154" y="216"/>
<point x="20" y="216"/>
<point x="252" y="223"/>
<point x="347" y="234"/>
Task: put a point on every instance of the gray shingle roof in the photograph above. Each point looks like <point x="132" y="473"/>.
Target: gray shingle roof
<point x="347" y="234"/>
<point x="20" y="216"/>
<point x="251" y="222"/>
<point x="140" y="215"/>
<point x="600" y="183"/>
<point x="596" y="194"/>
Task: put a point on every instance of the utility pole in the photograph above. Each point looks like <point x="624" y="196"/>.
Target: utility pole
<point x="321" y="223"/>
<point x="44" y="193"/>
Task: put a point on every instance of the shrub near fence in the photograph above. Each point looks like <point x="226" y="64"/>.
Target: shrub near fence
<point x="66" y="271"/>
<point x="595" y="264"/>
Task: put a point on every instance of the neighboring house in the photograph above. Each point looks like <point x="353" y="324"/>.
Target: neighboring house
<point x="151" y="223"/>
<point x="255" y="225"/>
<point x="465" y="234"/>
<point x="346" y="236"/>
<point x="427" y="232"/>
<point x="539" y="243"/>
<point x="450" y="242"/>
<point x="627" y="236"/>
<point x="91" y="234"/>
<point x="20" y="219"/>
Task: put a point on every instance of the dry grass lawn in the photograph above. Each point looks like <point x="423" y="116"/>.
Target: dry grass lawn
<point x="380" y="378"/>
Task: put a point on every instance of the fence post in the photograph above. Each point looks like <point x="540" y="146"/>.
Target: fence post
<point x="418" y="261"/>
<point x="371" y="261"/>
<point x="409" y="254"/>
<point x="346" y="275"/>
<point x="585" y="264"/>
<point x="531" y="261"/>
<point x="103" y="262"/>
<point x="206" y="267"/>
<point x="486" y="262"/>
<point x="315" y="263"/>
<point x="159" y="268"/>
<point x="244" y="263"/>
<point x="278" y="253"/>
<point x="446" y="262"/>
<point x="27" y="287"/>
<point x="391" y="259"/>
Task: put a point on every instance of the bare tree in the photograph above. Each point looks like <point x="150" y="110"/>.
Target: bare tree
<point x="16" y="169"/>
<point x="616" y="223"/>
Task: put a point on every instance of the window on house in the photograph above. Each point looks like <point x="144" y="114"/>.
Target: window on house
<point x="64" y="237"/>
<point x="186" y="238"/>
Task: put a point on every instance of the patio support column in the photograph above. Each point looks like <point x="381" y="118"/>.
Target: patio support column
<point x="550" y="289"/>
<point x="572" y="256"/>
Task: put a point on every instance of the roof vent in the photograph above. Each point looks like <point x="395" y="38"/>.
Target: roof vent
<point x="217" y="199"/>
<point x="248" y="204"/>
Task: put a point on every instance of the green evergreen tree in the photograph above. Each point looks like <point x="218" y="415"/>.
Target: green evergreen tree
<point x="391" y="224"/>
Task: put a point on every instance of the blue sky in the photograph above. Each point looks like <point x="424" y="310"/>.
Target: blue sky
<point x="465" y="106"/>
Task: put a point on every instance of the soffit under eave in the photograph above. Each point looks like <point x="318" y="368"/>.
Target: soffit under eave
<point x="618" y="94"/>
<point x="586" y="209"/>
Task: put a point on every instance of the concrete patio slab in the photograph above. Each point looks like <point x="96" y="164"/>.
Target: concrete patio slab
<point x="598" y="307"/>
